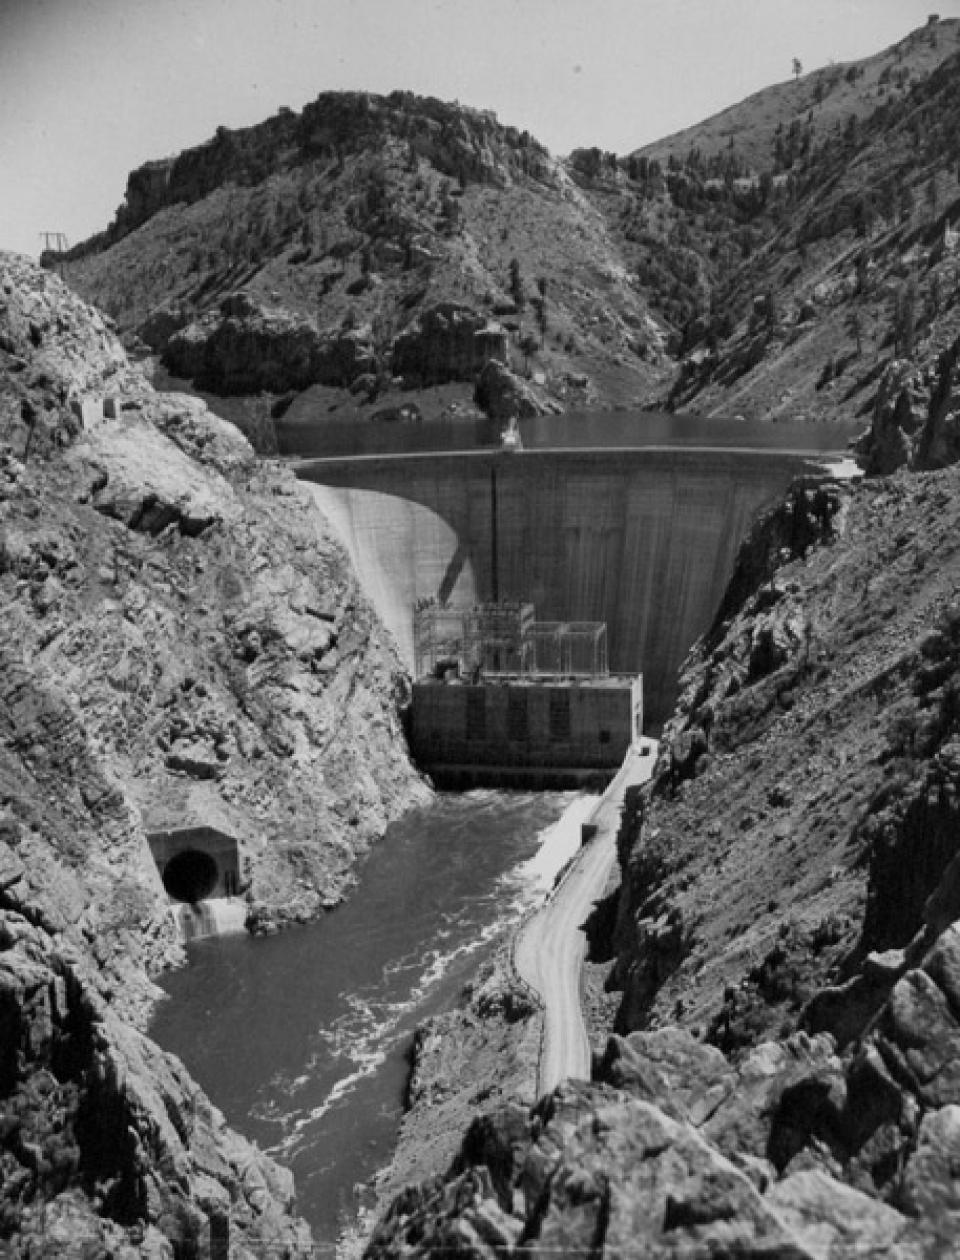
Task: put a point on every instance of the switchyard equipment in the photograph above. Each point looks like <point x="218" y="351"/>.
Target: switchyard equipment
<point x="504" y="639"/>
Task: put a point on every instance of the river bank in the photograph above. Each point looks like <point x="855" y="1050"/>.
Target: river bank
<point x="469" y="1060"/>
<point x="489" y="1051"/>
<point x="318" y="1077"/>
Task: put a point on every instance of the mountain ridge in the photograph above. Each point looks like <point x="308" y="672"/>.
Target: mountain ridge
<point x="707" y="280"/>
<point x="831" y="92"/>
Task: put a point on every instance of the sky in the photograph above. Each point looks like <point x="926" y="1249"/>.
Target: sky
<point x="91" y="89"/>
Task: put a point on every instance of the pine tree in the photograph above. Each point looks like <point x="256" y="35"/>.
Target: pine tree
<point x="854" y="325"/>
<point x="516" y="283"/>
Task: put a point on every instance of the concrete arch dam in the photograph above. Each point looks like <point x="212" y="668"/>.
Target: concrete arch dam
<point x="643" y="539"/>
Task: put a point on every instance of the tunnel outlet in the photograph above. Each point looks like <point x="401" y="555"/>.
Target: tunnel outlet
<point x="190" y="875"/>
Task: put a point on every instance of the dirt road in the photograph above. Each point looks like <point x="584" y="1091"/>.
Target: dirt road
<point x="550" y="950"/>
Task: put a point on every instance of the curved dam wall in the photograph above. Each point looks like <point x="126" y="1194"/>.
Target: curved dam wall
<point x="644" y="540"/>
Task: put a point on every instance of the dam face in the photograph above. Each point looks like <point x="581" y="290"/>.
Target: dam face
<point x="644" y="540"/>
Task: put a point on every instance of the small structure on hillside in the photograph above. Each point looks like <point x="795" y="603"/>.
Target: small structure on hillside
<point x="502" y="698"/>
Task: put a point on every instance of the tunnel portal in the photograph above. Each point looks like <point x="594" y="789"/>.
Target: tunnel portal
<point x="196" y="862"/>
<point x="190" y="876"/>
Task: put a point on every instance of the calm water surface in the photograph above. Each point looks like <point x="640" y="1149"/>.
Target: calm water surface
<point x="303" y="433"/>
<point x="301" y="1038"/>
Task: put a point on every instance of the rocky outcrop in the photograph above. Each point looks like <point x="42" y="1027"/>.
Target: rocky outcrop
<point x="466" y="144"/>
<point x="916" y="416"/>
<point x="501" y="394"/>
<point x="107" y="1143"/>
<point x="243" y="348"/>
<point x="447" y="343"/>
<point x="180" y="637"/>
<point x="675" y="1150"/>
<point x="600" y="1171"/>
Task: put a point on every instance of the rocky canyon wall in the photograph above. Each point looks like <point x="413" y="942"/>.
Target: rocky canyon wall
<point x="643" y="540"/>
<point x="182" y="644"/>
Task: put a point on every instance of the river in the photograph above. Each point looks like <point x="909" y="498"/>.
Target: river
<point x="301" y="1038"/>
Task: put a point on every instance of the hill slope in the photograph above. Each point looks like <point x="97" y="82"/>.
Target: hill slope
<point x="359" y="217"/>
<point x="784" y="944"/>
<point x="384" y="249"/>
<point x="181" y="644"/>
<point x="824" y="98"/>
<point x="844" y="263"/>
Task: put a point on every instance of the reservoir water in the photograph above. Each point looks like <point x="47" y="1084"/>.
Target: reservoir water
<point x="304" y="432"/>
<point x="301" y="1038"/>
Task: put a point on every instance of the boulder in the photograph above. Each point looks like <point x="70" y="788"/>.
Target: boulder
<point x="829" y="1218"/>
<point x="147" y="483"/>
<point x="638" y="1182"/>
<point x="502" y="394"/>
<point x="788" y="1095"/>
<point x="686" y="1079"/>
<point x="918" y="1032"/>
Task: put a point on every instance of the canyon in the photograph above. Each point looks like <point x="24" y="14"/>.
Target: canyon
<point x="193" y="634"/>
<point x="183" y="642"/>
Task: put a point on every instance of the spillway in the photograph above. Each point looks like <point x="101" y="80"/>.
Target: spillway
<point x="644" y="540"/>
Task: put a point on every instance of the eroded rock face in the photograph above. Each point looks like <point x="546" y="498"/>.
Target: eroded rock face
<point x="502" y="394"/>
<point x="243" y="348"/>
<point x="916" y="417"/>
<point x="676" y="1151"/>
<point x="180" y="640"/>
<point x="447" y="343"/>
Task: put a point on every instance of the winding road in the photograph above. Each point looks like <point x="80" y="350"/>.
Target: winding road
<point x="551" y="947"/>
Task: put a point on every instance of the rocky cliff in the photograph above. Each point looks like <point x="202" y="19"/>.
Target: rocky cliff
<point x="916" y="415"/>
<point x="183" y="642"/>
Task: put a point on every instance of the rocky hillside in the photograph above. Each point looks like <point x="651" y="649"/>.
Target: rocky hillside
<point x="783" y="1082"/>
<point x="182" y="643"/>
<point x="778" y="1073"/>
<point x="833" y="250"/>
<point x="375" y="251"/>
<point x="824" y="98"/>
<point x="347" y="228"/>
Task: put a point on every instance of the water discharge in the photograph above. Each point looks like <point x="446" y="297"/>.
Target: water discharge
<point x="301" y="1038"/>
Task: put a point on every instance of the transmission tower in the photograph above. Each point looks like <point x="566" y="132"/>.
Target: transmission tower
<point x="54" y="243"/>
